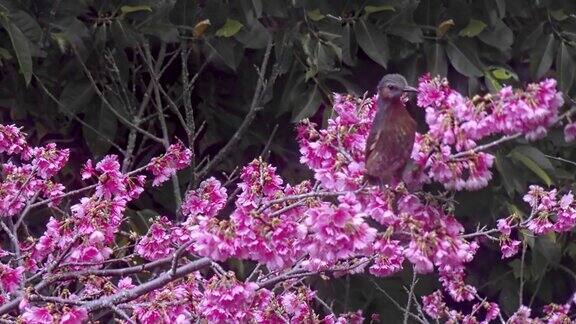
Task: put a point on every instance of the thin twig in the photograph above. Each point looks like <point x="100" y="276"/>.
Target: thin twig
<point x="414" y="316"/>
<point x="255" y="106"/>
<point x="410" y="294"/>
<point x="78" y="119"/>
<point x="122" y="314"/>
<point x="522" y="263"/>
<point x="108" y="104"/>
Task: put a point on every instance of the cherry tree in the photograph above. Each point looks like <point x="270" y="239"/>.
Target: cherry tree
<point x="79" y="266"/>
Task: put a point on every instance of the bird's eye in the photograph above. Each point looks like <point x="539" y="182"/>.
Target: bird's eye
<point x="390" y="87"/>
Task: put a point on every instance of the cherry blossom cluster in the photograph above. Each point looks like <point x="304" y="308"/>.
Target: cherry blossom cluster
<point x="335" y="224"/>
<point x="417" y="231"/>
<point x="177" y="157"/>
<point x="457" y="123"/>
<point x="550" y="212"/>
<point x="435" y="306"/>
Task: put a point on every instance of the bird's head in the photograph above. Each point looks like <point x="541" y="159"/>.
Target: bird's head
<point x="392" y="86"/>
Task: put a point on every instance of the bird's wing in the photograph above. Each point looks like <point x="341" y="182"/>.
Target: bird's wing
<point x="390" y="147"/>
<point x="371" y="141"/>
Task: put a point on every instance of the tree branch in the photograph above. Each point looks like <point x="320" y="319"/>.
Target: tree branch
<point x="261" y="86"/>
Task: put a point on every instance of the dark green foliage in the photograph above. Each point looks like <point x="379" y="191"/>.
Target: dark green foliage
<point x="319" y="47"/>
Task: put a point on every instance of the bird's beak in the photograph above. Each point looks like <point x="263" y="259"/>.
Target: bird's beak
<point x="410" y="89"/>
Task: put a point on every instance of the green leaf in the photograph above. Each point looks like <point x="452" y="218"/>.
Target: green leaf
<point x="372" y="41"/>
<point x="436" y="59"/>
<point x="542" y="55"/>
<point x="565" y="68"/>
<point x="309" y="104"/>
<point x="27" y="24"/>
<point x="230" y="28"/>
<point x="473" y="28"/>
<point x="464" y="59"/>
<point x="492" y="82"/>
<point x="129" y="9"/>
<point x="315" y="15"/>
<point x="105" y="122"/>
<point x="510" y="175"/>
<point x="183" y="13"/>
<point x="222" y="50"/>
<point x="310" y="73"/>
<point x="373" y="9"/>
<point x="349" y="45"/>
<point x="325" y="58"/>
<point x="532" y="38"/>
<point x="502" y="74"/>
<point x="255" y="37"/>
<point x="559" y="14"/>
<point x="411" y="33"/>
<point x="536" y="155"/>
<point x="494" y="79"/>
<point x="76" y="95"/>
<point x="21" y="47"/>
<point x="530" y="157"/>
<point x="498" y="35"/>
<point x="5" y="54"/>
<point x="549" y="248"/>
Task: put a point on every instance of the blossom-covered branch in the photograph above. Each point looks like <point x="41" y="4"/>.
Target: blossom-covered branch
<point x="334" y="226"/>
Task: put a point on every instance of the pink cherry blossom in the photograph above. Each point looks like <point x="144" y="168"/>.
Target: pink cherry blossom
<point x="208" y="199"/>
<point x="177" y="157"/>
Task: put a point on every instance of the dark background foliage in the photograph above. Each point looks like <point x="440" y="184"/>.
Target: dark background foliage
<point x="78" y="72"/>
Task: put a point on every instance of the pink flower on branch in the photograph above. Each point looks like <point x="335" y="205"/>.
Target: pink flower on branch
<point x="177" y="157"/>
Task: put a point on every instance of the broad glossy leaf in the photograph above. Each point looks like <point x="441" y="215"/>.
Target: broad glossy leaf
<point x="464" y="59"/>
<point x="315" y="15"/>
<point x="474" y="28"/>
<point x="509" y="174"/>
<point x="373" y="9"/>
<point x="76" y="96"/>
<point x="565" y="68"/>
<point x="533" y="37"/>
<point x="349" y="45"/>
<point x="21" y="46"/>
<point x="327" y="57"/>
<point x="184" y="12"/>
<point x="308" y="105"/>
<point x="549" y="248"/>
<point x="501" y="6"/>
<point x="130" y="9"/>
<point x="503" y="74"/>
<point x="223" y="51"/>
<point x="257" y="4"/>
<point x="27" y="24"/>
<point x="230" y="28"/>
<point x="492" y="82"/>
<point x="498" y="35"/>
<point x="217" y="12"/>
<point x="559" y="14"/>
<point x="436" y="59"/>
<point x="255" y="35"/>
<point x="529" y="158"/>
<point x="536" y="155"/>
<point x="372" y="41"/>
<point x="411" y="33"/>
<point x="105" y="122"/>
<point x="542" y="56"/>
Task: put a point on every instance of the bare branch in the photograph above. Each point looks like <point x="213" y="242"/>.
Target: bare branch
<point x="259" y="91"/>
<point x="160" y="281"/>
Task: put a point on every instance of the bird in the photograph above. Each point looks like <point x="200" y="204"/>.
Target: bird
<point x="391" y="137"/>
